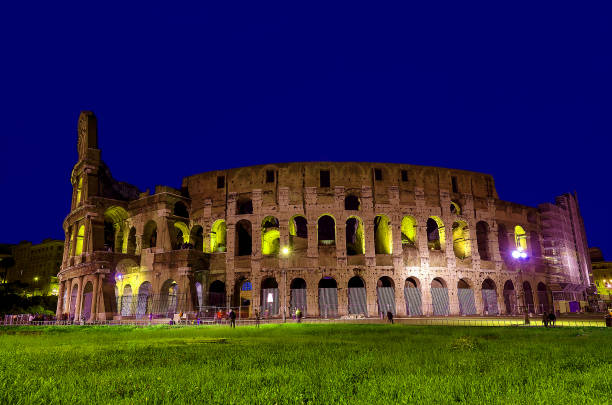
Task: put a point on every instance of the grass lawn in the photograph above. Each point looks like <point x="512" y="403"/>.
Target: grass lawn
<point x="289" y="363"/>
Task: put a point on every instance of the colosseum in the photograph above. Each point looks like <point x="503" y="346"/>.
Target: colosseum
<point x="331" y="238"/>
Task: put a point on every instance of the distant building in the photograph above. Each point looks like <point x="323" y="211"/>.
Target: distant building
<point x="35" y="265"/>
<point x="602" y="274"/>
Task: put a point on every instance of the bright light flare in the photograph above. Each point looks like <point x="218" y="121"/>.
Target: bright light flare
<point x="285" y="250"/>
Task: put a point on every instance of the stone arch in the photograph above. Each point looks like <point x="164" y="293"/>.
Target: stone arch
<point x="536" y="249"/>
<point x="243" y="294"/>
<point x="355" y="238"/>
<point x="509" y="297"/>
<point x="181" y="235"/>
<point x="461" y="240"/>
<point x="326" y="230"/>
<point x="297" y="292"/>
<point x="385" y="294"/>
<point x="502" y="238"/>
<point x="352" y="202"/>
<point x="126" y="301"/>
<point x="131" y="245"/>
<point x="180" y="210"/>
<point x="520" y="238"/>
<point x="435" y="233"/>
<point x="145" y="299"/>
<point x="149" y="237"/>
<point x="298" y="233"/>
<point x="168" y="298"/>
<point x="199" y="295"/>
<point x="216" y="294"/>
<point x="528" y="294"/>
<point x="78" y="250"/>
<point x="409" y="230"/>
<point x="87" y="301"/>
<point x="114" y="224"/>
<point x="412" y="296"/>
<point x="73" y="299"/>
<point x="328" y="297"/>
<point x="357" y="301"/>
<point x="244" y="242"/>
<point x="197" y="238"/>
<point x="270" y="236"/>
<point x="218" y="236"/>
<point x="244" y="206"/>
<point x="439" y="297"/>
<point x="482" y="240"/>
<point x="455" y="208"/>
<point x="270" y="304"/>
<point x="489" y="297"/>
<point x="465" y="294"/>
<point x="383" y="235"/>
<point x="544" y="303"/>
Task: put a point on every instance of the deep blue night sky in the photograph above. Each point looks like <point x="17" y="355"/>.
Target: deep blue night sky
<point x="523" y="92"/>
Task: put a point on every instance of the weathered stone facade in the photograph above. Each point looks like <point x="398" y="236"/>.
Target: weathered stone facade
<point x="279" y="236"/>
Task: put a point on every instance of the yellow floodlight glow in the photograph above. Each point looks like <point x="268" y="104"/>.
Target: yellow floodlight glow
<point x="285" y="250"/>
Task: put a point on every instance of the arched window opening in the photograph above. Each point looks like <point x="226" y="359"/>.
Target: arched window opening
<point x="355" y="240"/>
<point x="528" y="297"/>
<point x="114" y="223"/>
<point x="455" y="208"/>
<point x="328" y="297"/>
<point x="218" y="236"/>
<point x="520" y="238"/>
<point x="489" y="297"/>
<point x="145" y="295"/>
<point x="439" y="297"/>
<point x="269" y="297"/>
<point x="502" y="238"/>
<point x="298" y="233"/>
<point x="216" y="294"/>
<point x="242" y="296"/>
<point x="383" y="240"/>
<point x="244" y="206"/>
<point x="244" y="238"/>
<point x="357" y="297"/>
<point x="131" y="246"/>
<point x="510" y="298"/>
<point x="461" y="240"/>
<point x="79" y="241"/>
<point x="385" y="294"/>
<point x="298" y="296"/>
<point x="536" y="250"/>
<point x="149" y="237"/>
<point x="409" y="229"/>
<point x="465" y="294"/>
<point x="168" y="298"/>
<point x="79" y="190"/>
<point x="126" y="301"/>
<point x="109" y="236"/>
<point x="482" y="239"/>
<point x="326" y="229"/>
<point x="412" y="296"/>
<point x="270" y="236"/>
<point x="435" y="233"/>
<point x="197" y="238"/>
<point x="351" y="203"/>
<point x="181" y="236"/>
<point x="463" y="284"/>
<point x="180" y="210"/>
<point x="86" y="301"/>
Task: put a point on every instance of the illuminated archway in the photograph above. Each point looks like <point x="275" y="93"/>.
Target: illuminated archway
<point x="270" y="236"/>
<point x="461" y="240"/>
<point x="465" y="294"/>
<point x="455" y="208"/>
<point x="439" y="297"/>
<point x="328" y="297"/>
<point x="270" y="302"/>
<point x="409" y="233"/>
<point x="197" y="238"/>
<point x="385" y="294"/>
<point x="326" y="230"/>
<point x="79" y="241"/>
<point x="114" y="225"/>
<point x="218" y="236"/>
<point x="357" y="302"/>
<point x="435" y="233"/>
<point x="412" y="296"/>
<point x="298" y="233"/>
<point x="482" y="240"/>
<point x="145" y="293"/>
<point x="168" y="297"/>
<point x="355" y="239"/>
<point x="86" y="301"/>
<point x="181" y="234"/>
<point x="383" y="236"/>
<point x="126" y="301"/>
<point x="297" y="296"/>
<point x="149" y="237"/>
<point x="489" y="297"/>
<point x="520" y="238"/>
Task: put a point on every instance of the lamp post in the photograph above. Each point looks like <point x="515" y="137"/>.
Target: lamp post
<point x="285" y="253"/>
<point x="520" y="256"/>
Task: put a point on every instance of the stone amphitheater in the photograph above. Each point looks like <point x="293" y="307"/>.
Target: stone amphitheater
<point x="330" y="238"/>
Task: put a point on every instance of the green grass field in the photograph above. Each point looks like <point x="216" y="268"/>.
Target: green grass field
<point x="289" y="363"/>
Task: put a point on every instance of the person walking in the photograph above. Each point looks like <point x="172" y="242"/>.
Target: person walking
<point x="390" y="317"/>
<point x="545" y="319"/>
<point x="232" y="316"/>
<point x="552" y="318"/>
<point x="298" y="315"/>
<point x="257" y="317"/>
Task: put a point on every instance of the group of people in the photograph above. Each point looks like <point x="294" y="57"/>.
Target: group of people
<point x="549" y="319"/>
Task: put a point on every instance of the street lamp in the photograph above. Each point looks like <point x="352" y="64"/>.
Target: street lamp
<point x="285" y="253"/>
<point x="520" y="256"/>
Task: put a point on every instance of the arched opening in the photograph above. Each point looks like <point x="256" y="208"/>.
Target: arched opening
<point x="114" y="224"/>
<point x="328" y="298"/>
<point x="502" y="238"/>
<point x="218" y="236"/>
<point x="528" y="297"/>
<point x="199" y="296"/>
<point x="126" y="301"/>
<point x="73" y="299"/>
<point x="383" y="239"/>
<point x="536" y="250"/>
<point x="489" y="297"/>
<point x="168" y="298"/>
<point x="297" y="296"/>
<point x="298" y="233"/>
<point x="243" y="238"/>
<point x="461" y="240"/>
<point x="455" y="209"/>
<point x="79" y="190"/>
<point x="145" y="294"/>
<point x="244" y="206"/>
<point x="131" y="246"/>
<point x="482" y="240"/>
<point x="435" y="233"/>
<point x="357" y="303"/>
<point x="180" y="210"/>
<point x="439" y="297"/>
<point x="351" y="203"/>
<point x="326" y="230"/>
<point x="409" y="228"/>
<point x="216" y="294"/>
<point x="87" y="301"/>
<point x="270" y="236"/>
<point x="269" y="297"/>
<point x="510" y="297"/>
<point x="465" y="293"/>
<point x="543" y="301"/>
<point x="149" y="237"/>
<point x="520" y="238"/>
<point x="355" y="240"/>
<point x="412" y="296"/>
<point x="79" y="241"/>
<point x="197" y="238"/>
<point x="181" y="236"/>
<point x="242" y="296"/>
<point x="385" y="294"/>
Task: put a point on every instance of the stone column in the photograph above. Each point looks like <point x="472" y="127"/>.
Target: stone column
<point x="60" y="300"/>
<point x="94" y="299"/>
<point x="343" y="297"/>
<point x="77" y="311"/>
<point x="69" y="298"/>
<point x="400" y="301"/>
<point x="426" y="300"/>
<point x="453" y="297"/>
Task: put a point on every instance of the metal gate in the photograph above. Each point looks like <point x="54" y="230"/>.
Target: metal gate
<point x="413" y="301"/>
<point x="386" y="300"/>
<point x="328" y="302"/>
<point x="269" y="301"/>
<point x="510" y="301"/>
<point x="357" y="301"/>
<point x="439" y="300"/>
<point x="467" y="305"/>
<point x="86" y="313"/>
<point x="489" y="300"/>
<point x="298" y="300"/>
